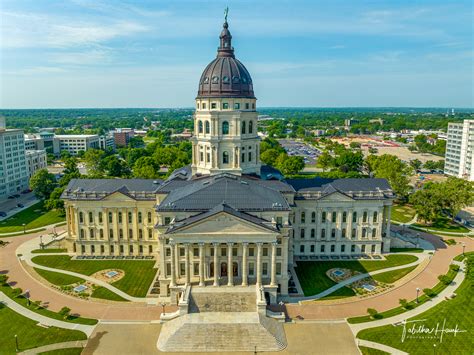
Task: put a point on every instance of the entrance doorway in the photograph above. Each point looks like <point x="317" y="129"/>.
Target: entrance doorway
<point x="224" y="269"/>
<point x="235" y="269"/>
<point x="211" y="271"/>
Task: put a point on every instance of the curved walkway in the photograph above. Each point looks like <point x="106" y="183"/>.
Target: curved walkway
<point x="112" y="311"/>
<point x="421" y="258"/>
<point x="398" y="319"/>
<point x="438" y="265"/>
<point x="57" y="346"/>
<point x="88" y="329"/>
<point x="26" y="248"/>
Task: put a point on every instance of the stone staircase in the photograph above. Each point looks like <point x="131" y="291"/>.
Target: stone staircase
<point x="220" y="332"/>
<point x="222" y="299"/>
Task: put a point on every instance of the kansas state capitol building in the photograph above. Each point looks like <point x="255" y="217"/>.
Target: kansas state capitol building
<point x="227" y="219"/>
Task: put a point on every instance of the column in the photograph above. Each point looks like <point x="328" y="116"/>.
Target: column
<point x="186" y="266"/>
<point x="162" y="242"/>
<point x="201" y="264"/>
<point x="389" y="216"/>
<point x="216" y="277"/>
<point x="259" y="264"/>
<point x="173" y="265"/>
<point x="245" y="249"/>
<point x="230" y="273"/>
<point x="273" y="276"/>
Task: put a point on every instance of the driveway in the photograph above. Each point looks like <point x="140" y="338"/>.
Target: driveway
<point x="9" y="205"/>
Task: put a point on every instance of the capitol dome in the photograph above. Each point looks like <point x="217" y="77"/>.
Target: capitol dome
<point x="225" y="76"/>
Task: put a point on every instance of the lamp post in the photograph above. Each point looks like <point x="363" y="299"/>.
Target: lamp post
<point x="463" y="247"/>
<point x="417" y="240"/>
<point x="163" y="308"/>
<point x="24" y="228"/>
<point x="417" y="293"/>
<point x="16" y="344"/>
<point x="41" y="242"/>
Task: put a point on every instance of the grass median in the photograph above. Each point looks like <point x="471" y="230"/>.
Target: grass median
<point x="138" y="277"/>
<point x="313" y="278"/>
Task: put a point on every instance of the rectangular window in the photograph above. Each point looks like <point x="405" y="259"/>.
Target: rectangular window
<point x="168" y="269"/>
<point x="265" y="252"/>
<point x="302" y="233"/>
<point x="251" y="252"/>
<point x="322" y="248"/>
<point x="278" y="251"/>
<point x="234" y="251"/>
<point x="334" y="217"/>
<point x="225" y="105"/>
<point x="323" y="217"/>
<point x="301" y="248"/>
<point x="182" y="269"/>
<point x="212" y="251"/>
<point x="333" y="248"/>
<point x="363" y="248"/>
<point x="129" y="217"/>
<point x="236" y="106"/>
<point x="278" y="268"/>
<point x="353" y="248"/>
<point x="312" y="249"/>
<point x="373" y="248"/>
<point x="223" y="251"/>
<point x="168" y="251"/>
<point x="251" y="269"/>
<point x="149" y="217"/>
<point x="182" y="252"/>
<point x="131" y="249"/>
<point x="265" y="268"/>
<point x="344" y="233"/>
<point x="323" y="233"/>
<point x="167" y="220"/>
<point x="279" y="221"/>
<point x="247" y="106"/>
<point x="130" y="233"/>
<point x="110" y="217"/>
<point x="100" y="217"/>
<point x="111" y="249"/>
<point x="196" y="269"/>
<point x="354" y="217"/>
<point x="213" y="105"/>
<point x="333" y="233"/>
<point x="195" y="252"/>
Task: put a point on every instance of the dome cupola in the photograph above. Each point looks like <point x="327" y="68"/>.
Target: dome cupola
<point x="225" y="76"/>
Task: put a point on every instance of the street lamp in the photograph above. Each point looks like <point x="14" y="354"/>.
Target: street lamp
<point x="24" y="228"/>
<point x="163" y="308"/>
<point x="16" y="343"/>
<point x="463" y="247"/>
<point x="41" y="241"/>
<point x="417" y="293"/>
<point x="417" y="240"/>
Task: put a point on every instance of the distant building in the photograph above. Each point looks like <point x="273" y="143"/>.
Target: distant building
<point x="74" y="143"/>
<point x="107" y="142"/>
<point x="377" y="120"/>
<point x="459" y="150"/>
<point x="13" y="169"/>
<point x="33" y="142"/>
<point x="35" y="160"/>
<point x="122" y="137"/>
<point x="187" y="134"/>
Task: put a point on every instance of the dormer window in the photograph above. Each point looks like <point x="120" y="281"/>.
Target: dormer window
<point x="215" y="79"/>
<point x="225" y="79"/>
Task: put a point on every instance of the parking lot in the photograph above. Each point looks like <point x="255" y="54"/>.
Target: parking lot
<point x="10" y="206"/>
<point x="308" y="152"/>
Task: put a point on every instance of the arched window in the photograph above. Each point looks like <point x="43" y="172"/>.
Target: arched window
<point x="208" y="127"/>
<point x="101" y="233"/>
<point x="225" y="158"/>
<point x="344" y="217"/>
<point x="303" y="217"/>
<point x="140" y="218"/>
<point x="364" y="217"/>
<point x="375" y="217"/>
<point x="82" y="234"/>
<point x="250" y="127"/>
<point x="225" y="127"/>
<point x="374" y="233"/>
<point x="313" y="233"/>
<point x="243" y="127"/>
<point x="313" y="217"/>
<point x="200" y="126"/>
<point x="81" y="217"/>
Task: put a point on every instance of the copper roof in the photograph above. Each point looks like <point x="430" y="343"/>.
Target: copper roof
<point x="225" y="76"/>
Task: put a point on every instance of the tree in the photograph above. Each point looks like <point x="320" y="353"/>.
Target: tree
<point x="456" y="194"/>
<point x="70" y="171"/>
<point x="373" y="150"/>
<point x="355" y="145"/>
<point x="291" y="165"/>
<point x="415" y="164"/>
<point x="93" y="159"/>
<point x="434" y="165"/>
<point x="42" y="183"/>
<point x="115" y="167"/>
<point x="145" y="168"/>
<point x="325" y="160"/>
<point x="269" y="156"/>
<point x="55" y="202"/>
<point x="349" y="161"/>
<point x="394" y="170"/>
<point x="427" y="203"/>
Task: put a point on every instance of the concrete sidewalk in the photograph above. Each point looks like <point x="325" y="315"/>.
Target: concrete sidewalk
<point x="88" y="329"/>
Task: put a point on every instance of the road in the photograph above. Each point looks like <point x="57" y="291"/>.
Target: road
<point x="9" y="205"/>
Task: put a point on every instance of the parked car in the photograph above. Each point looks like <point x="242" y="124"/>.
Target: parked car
<point x="3" y="214"/>
<point x="20" y="205"/>
<point x="16" y="195"/>
<point x="26" y="191"/>
<point x="11" y="197"/>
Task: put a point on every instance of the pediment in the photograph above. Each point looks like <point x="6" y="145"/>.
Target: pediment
<point x="224" y="224"/>
<point x="118" y="196"/>
<point x="336" y="196"/>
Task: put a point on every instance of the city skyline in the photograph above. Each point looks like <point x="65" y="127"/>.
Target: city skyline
<point x="80" y="53"/>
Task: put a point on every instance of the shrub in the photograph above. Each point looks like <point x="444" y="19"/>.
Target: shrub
<point x="429" y="292"/>
<point x="373" y="313"/>
<point x="16" y="292"/>
<point x="454" y="267"/>
<point x="450" y="241"/>
<point x="37" y="305"/>
<point x="403" y="302"/>
<point x="3" y="280"/>
<point x="65" y="311"/>
<point x="444" y="279"/>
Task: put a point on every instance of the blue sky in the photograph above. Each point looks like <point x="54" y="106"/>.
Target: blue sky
<point x="99" y="53"/>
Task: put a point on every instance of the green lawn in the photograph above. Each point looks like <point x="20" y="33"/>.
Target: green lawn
<point x="402" y="213"/>
<point x="57" y="278"/>
<point x="7" y="290"/>
<point x="312" y="274"/>
<point x="406" y="250"/>
<point x="68" y="351"/>
<point x="48" y="251"/>
<point x="139" y="274"/>
<point x="29" y="334"/>
<point x="448" y="314"/>
<point x="443" y="224"/>
<point x="390" y="277"/>
<point x="371" y="351"/>
<point x="35" y="216"/>
<point x="343" y="292"/>
<point x="103" y="293"/>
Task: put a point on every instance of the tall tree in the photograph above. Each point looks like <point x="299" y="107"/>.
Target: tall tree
<point x="42" y="183"/>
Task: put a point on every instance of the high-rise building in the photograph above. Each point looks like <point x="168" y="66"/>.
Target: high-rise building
<point x="459" y="150"/>
<point x="13" y="169"/>
<point x="35" y="160"/>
